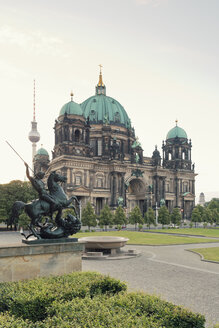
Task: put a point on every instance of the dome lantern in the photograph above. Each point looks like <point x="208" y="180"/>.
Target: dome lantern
<point x="100" y="87"/>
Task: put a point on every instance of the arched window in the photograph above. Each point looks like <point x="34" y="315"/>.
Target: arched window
<point x="77" y="135"/>
<point x="169" y="156"/>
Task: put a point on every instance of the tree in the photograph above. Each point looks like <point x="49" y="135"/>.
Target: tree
<point x="163" y="216"/>
<point x="201" y="211"/>
<point x="149" y="217"/>
<point x="207" y="215"/>
<point x="24" y="221"/>
<point x="175" y="216"/>
<point x="88" y="216"/>
<point x="106" y="217"/>
<point x="135" y="216"/>
<point x="196" y="216"/>
<point x="215" y="216"/>
<point x="119" y="216"/>
<point x="214" y="203"/>
<point x="13" y="191"/>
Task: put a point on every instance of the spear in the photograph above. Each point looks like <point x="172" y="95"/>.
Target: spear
<point x="17" y="154"/>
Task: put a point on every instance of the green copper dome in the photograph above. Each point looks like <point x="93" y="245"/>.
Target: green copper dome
<point x="102" y="109"/>
<point x="71" y="108"/>
<point x="176" y="132"/>
<point x="42" y="151"/>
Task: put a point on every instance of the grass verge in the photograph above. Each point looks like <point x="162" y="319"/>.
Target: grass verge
<point x="211" y="253"/>
<point x="191" y="231"/>
<point x="142" y="238"/>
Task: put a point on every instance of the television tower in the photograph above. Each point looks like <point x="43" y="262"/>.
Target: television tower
<point x="34" y="135"/>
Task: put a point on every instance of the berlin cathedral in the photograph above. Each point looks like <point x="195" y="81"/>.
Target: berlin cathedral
<point x="97" y="150"/>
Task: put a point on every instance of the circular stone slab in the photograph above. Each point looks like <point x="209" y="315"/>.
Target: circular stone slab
<point x="103" y="242"/>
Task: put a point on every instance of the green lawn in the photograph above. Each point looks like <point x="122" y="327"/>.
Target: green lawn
<point x="211" y="253"/>
<point x="191" y="231"/>
<point x="142" y="238"/>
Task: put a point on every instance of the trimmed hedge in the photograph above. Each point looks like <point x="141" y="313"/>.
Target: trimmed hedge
<point x="87" y="300"/>
<point x="30" y="299"/>
<point x="8" y="321"/>
<point x="122" y="310"/>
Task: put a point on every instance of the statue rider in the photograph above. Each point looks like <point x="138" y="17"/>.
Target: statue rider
<point x="39" y="186"/>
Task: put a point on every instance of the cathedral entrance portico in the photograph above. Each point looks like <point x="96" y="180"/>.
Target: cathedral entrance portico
<point x="136" y="194"/>
<point x="188" y="203"/>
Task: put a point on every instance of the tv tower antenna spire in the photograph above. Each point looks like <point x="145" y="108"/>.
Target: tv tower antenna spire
<point x="34" y="135"/>
<point x="34" y="94"/>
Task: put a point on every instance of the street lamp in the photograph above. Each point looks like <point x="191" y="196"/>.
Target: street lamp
<point x="156" y="213"/>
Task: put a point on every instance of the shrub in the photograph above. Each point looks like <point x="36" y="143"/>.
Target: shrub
<point x="87" y="300"/>
<point x="108" y="286"/>
<point x="140" y="227"/>
<point x="122" y="310"/>
<point x="7" y="321"/>
<point x="30" y="299"/>
<point x="24" y="221"/>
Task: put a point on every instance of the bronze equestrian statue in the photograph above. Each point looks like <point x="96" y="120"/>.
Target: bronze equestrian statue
<point x="53" y="200"/>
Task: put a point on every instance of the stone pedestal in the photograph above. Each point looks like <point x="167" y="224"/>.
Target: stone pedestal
<point x="38" y="260"/>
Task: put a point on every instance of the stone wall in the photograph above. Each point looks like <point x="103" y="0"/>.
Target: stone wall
<point x="31" y="261"/>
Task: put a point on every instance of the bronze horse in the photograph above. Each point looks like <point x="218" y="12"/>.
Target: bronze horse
<point x="39" y="208"/>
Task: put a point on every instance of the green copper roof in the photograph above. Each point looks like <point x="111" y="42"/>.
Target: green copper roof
<point x="176" y="132"/>
<point x="42" y="151"/>
<point x="103" y="109"/>
<point x="71" y="108"/>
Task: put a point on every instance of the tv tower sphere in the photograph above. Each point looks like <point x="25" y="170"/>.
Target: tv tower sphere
<point x="34" y="135"/>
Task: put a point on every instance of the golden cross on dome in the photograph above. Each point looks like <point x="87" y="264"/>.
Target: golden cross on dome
<point x="100" y="83"/>
<point x="176" y="122"/>
<point x="72" y="94"/>
<point x="100" y="67"/>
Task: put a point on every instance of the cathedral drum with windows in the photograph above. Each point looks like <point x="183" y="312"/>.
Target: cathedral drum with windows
<point x="97" y="150"/>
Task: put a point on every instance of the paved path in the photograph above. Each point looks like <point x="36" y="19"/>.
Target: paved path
<point x="170" y="272"/>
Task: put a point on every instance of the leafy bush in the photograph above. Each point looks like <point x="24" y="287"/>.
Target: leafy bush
<point x="7" y="321"/>
<point x="24" y="221"/>
<point x="30" y="299"/>
<point x="108" y="286"/>
<point x="122" y="310"/>
<point x="87" y="300"/>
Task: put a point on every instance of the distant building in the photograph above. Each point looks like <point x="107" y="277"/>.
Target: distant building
<point x="97" y="150"/>
<point x="201" y="199"/>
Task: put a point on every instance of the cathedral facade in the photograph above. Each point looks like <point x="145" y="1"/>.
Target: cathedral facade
<point x="97" y="150"/>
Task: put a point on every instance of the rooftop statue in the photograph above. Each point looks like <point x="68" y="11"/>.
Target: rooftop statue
<point x="53" y="200"/>
<point x="136" y="143"/>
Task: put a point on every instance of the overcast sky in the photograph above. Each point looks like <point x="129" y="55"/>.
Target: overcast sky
<point x="160" y="61"/>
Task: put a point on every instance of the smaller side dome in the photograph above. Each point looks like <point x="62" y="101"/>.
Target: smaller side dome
<point x="71" y="108"/>
<point x="42" y="151"/>
<point x="176" y="132"/>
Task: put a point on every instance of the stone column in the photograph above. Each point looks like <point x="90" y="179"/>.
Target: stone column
<point x="164" y="188"/>
<point x="114" y="189"/>
<point x="156" y="191"/>
<point x="85" y="178"/>
<point x="177" y="191"/>
<point x="68" y="175"/>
